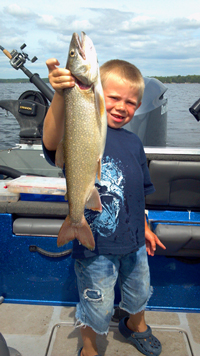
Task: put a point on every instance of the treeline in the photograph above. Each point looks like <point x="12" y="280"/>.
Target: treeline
<point x="167" y="79"/>
<point x="20" y="80"/>
<point x="179" y="79"/>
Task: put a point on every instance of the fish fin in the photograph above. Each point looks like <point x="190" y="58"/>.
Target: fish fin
<point x="69" y="232"/>
<point x="59" y="158"/>
<point x="99" y="99"/>
<point x="66" y="233"/>
<point x="94" y="201"/>
<point x="84" y="235"/>
<point x="99" y="169"/>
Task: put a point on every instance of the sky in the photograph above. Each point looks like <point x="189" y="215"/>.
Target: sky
<point x="161" y="38"/>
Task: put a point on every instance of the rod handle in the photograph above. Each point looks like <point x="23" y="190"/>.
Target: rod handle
<point x="7" y="53"/>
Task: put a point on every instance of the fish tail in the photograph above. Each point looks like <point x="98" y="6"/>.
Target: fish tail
<point x="66" y="233"/>
<point x="82" y="232"/>
<point x="85" y="236"/>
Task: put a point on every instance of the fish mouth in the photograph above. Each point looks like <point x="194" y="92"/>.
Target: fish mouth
<point x="80" y="42"/>
<point x="82" y="86"/>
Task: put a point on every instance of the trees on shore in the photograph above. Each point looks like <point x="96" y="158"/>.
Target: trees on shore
<point x="20" y="80"/>
<point x="179" y="79"/>
<point x="168" y="79"/>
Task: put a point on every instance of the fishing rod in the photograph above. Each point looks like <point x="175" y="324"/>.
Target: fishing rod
<point x="17" y="60"/>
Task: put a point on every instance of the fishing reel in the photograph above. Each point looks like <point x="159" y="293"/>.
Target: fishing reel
<point x="19" y="58"/>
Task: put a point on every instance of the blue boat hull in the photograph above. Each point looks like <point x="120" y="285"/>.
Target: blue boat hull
<point x="29" y="277"/>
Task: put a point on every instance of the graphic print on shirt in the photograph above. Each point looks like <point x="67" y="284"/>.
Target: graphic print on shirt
<point x="111" y="191"/>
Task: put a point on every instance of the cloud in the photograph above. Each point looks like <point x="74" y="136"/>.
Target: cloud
<point x="142" y="25"/>
<point x="195" y="16"/>
<point x="48" y="21"/>
<point x="186" y="24"/>
<point x="63" y="25"/>
<point x="108" y="20"/>
<point x="19" y="12"/>
<point x="152" y="43"/>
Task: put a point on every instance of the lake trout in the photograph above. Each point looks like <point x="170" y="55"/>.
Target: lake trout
<point x="84" y="140"/>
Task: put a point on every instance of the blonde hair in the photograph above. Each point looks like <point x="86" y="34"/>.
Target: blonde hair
<point x="124" y="70"/>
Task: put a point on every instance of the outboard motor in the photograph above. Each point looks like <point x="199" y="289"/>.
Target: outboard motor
<point x="150" y="120"/>
<point x="195" y="110"/>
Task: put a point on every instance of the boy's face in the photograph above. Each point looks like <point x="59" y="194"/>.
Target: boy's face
<point x="121" y="101"/>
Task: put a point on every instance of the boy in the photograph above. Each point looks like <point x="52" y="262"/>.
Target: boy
<point x="121" y="230"/>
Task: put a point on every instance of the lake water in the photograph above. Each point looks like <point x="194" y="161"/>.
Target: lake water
<point x="182" y="128"/>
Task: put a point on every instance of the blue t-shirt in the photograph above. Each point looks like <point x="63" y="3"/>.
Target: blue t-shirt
<point x="125" y="181"/>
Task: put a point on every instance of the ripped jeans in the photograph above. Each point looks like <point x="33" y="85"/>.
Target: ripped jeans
<point x="97" y="277"/>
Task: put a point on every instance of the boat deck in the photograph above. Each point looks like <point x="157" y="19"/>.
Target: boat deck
<point x="42" y="330"/>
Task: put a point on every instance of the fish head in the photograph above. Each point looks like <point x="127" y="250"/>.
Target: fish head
<point x="82" y="59"/>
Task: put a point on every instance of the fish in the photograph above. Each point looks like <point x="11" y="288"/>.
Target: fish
<point x="83" y="142"/>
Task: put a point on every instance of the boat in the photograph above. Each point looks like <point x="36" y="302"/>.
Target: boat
<point x="38" y="290"/>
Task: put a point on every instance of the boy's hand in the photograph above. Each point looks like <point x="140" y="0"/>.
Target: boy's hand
<point x="59" y="78"/>
<point x="151" y="241"/>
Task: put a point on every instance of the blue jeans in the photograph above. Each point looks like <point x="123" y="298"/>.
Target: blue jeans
<point x="96" y="278"/>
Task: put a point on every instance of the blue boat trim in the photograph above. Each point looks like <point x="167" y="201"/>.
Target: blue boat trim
<point x="174" y="216"/>
<point x="42" y="197"/>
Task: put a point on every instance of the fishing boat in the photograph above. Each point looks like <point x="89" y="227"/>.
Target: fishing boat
<point x="38" y="290"/>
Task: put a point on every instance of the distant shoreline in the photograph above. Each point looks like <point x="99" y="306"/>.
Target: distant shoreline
<point x="179" y="79"/>
<point x="173" y="79"/>
<point x="21" y="80"/>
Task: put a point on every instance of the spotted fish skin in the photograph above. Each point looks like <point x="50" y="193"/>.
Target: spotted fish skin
<point x="84" y="140"/>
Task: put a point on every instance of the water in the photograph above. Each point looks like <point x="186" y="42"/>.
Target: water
<point x="183" y="129"/>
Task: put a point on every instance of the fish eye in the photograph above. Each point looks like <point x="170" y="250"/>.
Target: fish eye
<point x="72" y="53"/>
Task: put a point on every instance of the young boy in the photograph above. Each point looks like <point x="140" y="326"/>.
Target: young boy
<point x="121" y="230"/>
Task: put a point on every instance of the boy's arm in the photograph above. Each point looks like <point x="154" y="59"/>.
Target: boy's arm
<point x="53" y="128"/>
<point x="151" y="240"/>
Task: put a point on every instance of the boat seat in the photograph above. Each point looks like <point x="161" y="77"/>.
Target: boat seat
<point x="37" y="226"/>
<point x="174" y="208"/>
